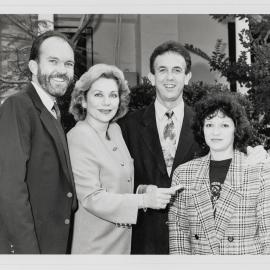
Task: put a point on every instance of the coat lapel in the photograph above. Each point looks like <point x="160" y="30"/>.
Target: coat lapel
<point x="230" y="195"/>
<point x="202" y="201"/>
<point x="150" y="136"/>
<point x="185" y="139"/>
<point x="48" y="122"/>
<point x="65" y="147"/>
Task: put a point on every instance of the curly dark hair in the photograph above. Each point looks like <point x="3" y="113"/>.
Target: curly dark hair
<point x="228" y="104"/>
<point x="174" y="47"/>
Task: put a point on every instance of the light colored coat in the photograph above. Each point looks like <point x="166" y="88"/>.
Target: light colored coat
<point x="104" y="180"/>
<point x="242" y="223"/>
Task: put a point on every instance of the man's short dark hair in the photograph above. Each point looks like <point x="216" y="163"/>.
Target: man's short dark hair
<point x="34" y="54"/>
<point x="174" y="47"/>
<point x="228" y="104"/>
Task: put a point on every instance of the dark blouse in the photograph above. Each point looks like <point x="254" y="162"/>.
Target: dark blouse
<point x="217" y="174"/>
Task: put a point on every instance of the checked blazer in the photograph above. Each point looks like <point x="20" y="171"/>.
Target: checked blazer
<point x="242" y="223"/>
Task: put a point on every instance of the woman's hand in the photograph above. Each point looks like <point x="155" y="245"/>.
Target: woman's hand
<point x="158" y="198"/>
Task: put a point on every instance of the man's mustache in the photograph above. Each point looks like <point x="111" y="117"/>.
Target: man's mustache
<point x="60" y="76"/>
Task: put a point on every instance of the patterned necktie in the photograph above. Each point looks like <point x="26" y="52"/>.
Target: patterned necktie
<point x="57" y="112"/>
<point x="169" y="144"/>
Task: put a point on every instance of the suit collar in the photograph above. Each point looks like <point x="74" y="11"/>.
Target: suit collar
<point x="234" y="176"/>
<point x="32" y="93"/>
<point x="56" y="132"/>
<point x="231" y="194"/>
<point x="160" y="111"/>
<point x="150" y="135"/>
<point x="47" y="100"/>
<point x="185" y="140"/>
<point x="149" y="115"/>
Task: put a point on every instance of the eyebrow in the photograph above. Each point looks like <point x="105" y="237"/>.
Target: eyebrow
<point x="162" y="66"/>
<point x="55" y="57"/>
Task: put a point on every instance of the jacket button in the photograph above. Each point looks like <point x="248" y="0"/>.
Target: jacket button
<point x="69" y="195"/>
<point x="230" y="238"/>
<point x="67" y="221"/>
<point x="196" y="236"/>
<point x="122" y="164"/>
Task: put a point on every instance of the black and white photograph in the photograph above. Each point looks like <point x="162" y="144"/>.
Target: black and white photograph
<point x="141" y="132"/>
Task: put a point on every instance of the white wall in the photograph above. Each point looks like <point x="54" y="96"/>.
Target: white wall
<point x="154" y="29"/>
<point x="141" y="33"/>
<point x="197" y="29"/>
<point x="202" y="31"/>
<point x="105" y="41"/>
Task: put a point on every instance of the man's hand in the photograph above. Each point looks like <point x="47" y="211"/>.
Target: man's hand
<point x="257" y="154"/>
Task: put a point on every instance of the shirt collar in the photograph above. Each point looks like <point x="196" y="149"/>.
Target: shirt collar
<point x="46" y="99"/>
<point x="161" y="110"/>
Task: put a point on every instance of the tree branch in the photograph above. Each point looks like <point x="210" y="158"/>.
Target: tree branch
<point x="84" y="22"/>
<point x="21" y="26"/>
<point x="12" y="81"/>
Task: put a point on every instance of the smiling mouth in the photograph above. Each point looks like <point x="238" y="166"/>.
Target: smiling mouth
<point x="105" y="111"/>
<point x="169" y="86"/>
<point x="59" y="80"/>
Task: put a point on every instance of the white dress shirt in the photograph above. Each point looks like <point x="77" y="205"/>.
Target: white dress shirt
<point x="47" y="100"/>
<point x="161" y="120"/>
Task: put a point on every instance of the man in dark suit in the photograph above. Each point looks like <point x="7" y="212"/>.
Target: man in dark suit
<point x="37" y="194"/>
<point x="159" y="138"/>
<point x="144" y="133"/>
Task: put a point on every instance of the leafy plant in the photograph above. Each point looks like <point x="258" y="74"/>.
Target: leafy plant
<point x="256" y="76"/>
<point x="17" y="36"/>
<point x="143" y="94"/>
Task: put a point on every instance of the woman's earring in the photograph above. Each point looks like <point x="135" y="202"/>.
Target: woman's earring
<point x="84" y="104"/>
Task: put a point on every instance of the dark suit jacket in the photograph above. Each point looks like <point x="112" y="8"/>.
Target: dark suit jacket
<point x="37" y="194"/>
<point x="150" y="235"/>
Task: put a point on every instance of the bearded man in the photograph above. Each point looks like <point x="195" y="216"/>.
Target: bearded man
<point x="37" y="194"/>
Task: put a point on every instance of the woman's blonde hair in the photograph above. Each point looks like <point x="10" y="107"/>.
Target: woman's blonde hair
<point x="85" y="82"/>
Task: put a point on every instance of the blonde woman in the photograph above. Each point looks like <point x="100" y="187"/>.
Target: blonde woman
<point x="102" y="166"/>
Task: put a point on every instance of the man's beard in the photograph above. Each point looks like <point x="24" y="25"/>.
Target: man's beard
<point x="54" y="88"/>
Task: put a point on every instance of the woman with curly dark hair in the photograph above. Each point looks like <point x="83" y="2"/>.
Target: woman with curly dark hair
<point x="225" y="206"/>
<point x="102" y="166"/>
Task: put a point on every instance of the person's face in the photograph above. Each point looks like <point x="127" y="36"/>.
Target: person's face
<point x="102" y="100"/>
<point x="169" y="78"/>
<point x="219" y="134"/>
<point x="54" y="69"/>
